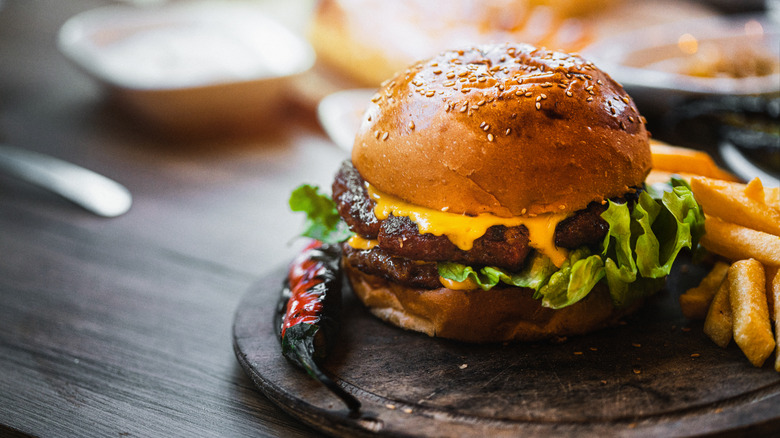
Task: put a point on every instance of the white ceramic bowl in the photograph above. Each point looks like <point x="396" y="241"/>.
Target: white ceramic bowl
<point x="189" y="66"/>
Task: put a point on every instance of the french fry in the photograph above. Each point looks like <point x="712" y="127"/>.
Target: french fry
<point x="773" y="290"/>
<point x="747" y="295"/>
<point x="772" y="197"/>
<point x="771" y="277"/>
<point x="695" y="301"/>
<point x="768" y="195"/>
<point x="675" y="159"/>
<point x="737" y="242"/>
<point x="662" y="176"/>
<point x="736" y="203"/>
<point x="718" y="324"/>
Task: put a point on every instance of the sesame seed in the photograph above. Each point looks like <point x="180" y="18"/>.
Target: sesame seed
<point x="543" y="96"/>
<point x="390" y="406"/>
<point x="568" y="93"/>
<point x="643" y="119"/>
<point x="636" y="345"/>
<point x="630" y="119"/>
<point x="599" y="82"/>
<point x="695" y="355"/>
<point x="590" y="99"/>
<point x="449" y="83"/>
<point x="377" y="133"/>
<point x="430" y="93"/>
<point x="411" y="125"/>
<point x="437" y="72"/>
<point x="486" y="127"/>
<point x="612" y="110"/>
<point x="538" y="98"/>
<point x="508" y="130"/>
<point x="464" y="108"/>
<point x="480" y="103"/>
<point x="407" y="410"/>
<point x="625" y="99"/>
<point x="523" y="211"/>
<point x="528" y="94"/>
<point x="622" y="125"/>
<point x="538" y="105"/>
<point x="590" y="88"/>
<point x="490" y="137"/>
<point x="562" y="207"/>
<point x="637" y="371"/>
<point x="451" y="75"/>
<point x="385" y="135"/>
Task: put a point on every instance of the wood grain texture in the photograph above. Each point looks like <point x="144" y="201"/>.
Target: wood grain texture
<point x="122" y="327"/>
<point x="119" y="338"/>
<point x="654" y="376"/>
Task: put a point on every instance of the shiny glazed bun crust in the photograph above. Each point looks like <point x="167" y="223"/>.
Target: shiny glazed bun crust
<point x="497" y="315"/>
<point x="502" y="129"/>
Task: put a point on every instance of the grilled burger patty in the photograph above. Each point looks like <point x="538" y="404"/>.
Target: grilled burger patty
<point x="402" y="249"/>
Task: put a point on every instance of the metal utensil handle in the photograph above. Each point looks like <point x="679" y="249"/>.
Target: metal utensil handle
<point x="90" y="190"/>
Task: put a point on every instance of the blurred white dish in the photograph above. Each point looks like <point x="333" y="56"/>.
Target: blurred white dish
<point x="658" y="65"/>
<point x="188" y="65"/>
<point x="339" y="114"/>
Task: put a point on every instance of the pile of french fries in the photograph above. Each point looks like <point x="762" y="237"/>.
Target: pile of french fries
<point x="740" y="297"/>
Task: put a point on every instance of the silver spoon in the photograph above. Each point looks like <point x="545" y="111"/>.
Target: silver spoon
<point x="84" y="187"/>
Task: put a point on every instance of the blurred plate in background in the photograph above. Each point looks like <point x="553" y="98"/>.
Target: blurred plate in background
<point x="339" y="114"/>
<point x="661" y="66"/>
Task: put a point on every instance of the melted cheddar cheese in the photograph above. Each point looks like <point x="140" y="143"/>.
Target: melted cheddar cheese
<point x="358" y="242"/>
<point x="463" y="230"/>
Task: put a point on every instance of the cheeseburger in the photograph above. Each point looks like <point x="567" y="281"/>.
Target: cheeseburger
<point x="497" y="193"/>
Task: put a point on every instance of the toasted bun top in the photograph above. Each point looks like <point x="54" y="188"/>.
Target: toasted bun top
<point x="502" y="129"/>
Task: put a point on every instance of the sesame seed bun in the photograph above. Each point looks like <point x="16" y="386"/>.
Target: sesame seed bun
<point x="503" y="129"/>
<point x="497" y="315"/>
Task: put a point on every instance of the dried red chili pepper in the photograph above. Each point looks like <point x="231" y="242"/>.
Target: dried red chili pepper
<point x="309" y="310"/>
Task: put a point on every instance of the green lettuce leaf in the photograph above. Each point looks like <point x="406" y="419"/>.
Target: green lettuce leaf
<point x="577" y="276"/>
<point x="635" y="256"/>
<point x="322" y="218"/>
<point x="534" y="275"/>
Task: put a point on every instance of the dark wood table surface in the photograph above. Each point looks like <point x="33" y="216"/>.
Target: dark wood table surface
<point x="122" y="327"/>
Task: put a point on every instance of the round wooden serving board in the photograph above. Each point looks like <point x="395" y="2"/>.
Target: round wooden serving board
<point x="656" y="375"/>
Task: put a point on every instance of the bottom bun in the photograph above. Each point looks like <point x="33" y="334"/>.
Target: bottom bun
<point x="497" y="315"/>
